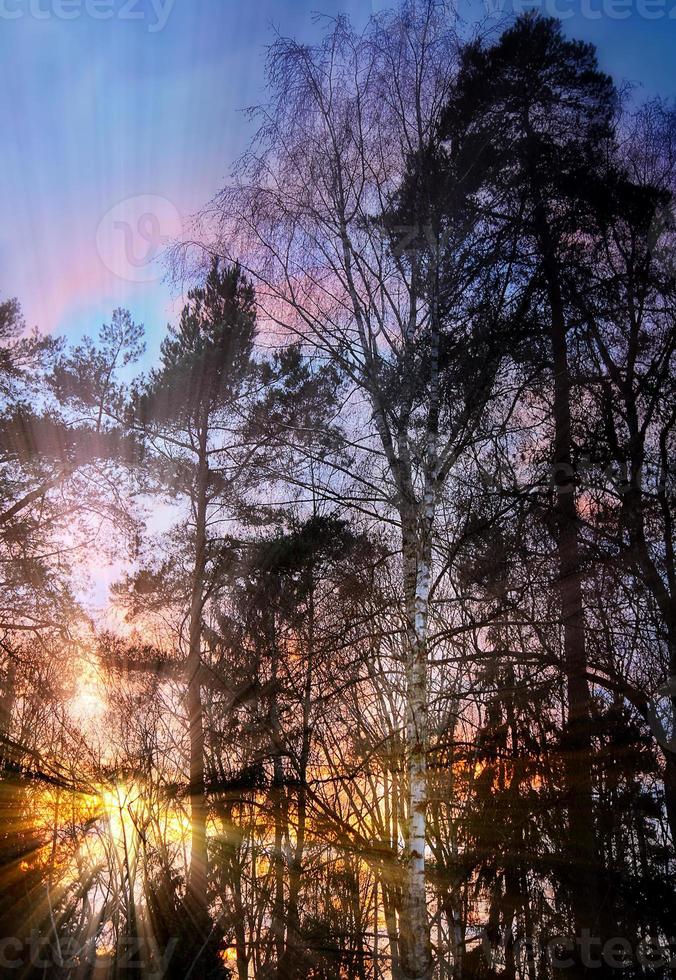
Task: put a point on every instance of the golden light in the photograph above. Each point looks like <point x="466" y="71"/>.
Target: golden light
<point x="229" y="957"/>
<point x="117" y="803"/>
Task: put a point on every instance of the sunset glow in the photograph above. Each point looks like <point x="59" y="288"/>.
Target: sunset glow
<point x="337" y="490"/>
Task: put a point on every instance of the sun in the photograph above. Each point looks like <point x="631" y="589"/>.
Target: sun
<point x="121" y="811"/>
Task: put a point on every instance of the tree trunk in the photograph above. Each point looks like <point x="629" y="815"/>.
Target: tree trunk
<point x="577" y="731"/>
<point x="279" y="806"/>
<point x="417" y="531"/>
<point x="240" y="920"/>
<point x="414" y="940"/>
<point x="670" y="790"/>
<point x="389" y="913"/>
<point x="668" y="743"/>
<point x="292" y="961"/>
<point x="6" y="708"/>
<point x="197" y="878"/>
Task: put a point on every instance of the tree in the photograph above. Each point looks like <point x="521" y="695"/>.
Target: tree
<point x="296" y="594"/>
<point x="404" y="313"/>
<point x="535" y="113"/>
<point x="627" y="303"/>
<point x="191" y="411"/>
<point x="87" y="376"/>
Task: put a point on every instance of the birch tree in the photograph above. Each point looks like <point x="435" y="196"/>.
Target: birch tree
<point x="337" y="217"/>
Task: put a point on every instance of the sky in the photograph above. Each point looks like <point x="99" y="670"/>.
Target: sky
<point x="120" y="118"/>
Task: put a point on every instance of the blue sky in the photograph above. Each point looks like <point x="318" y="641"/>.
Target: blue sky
<point x="103" y="101"/>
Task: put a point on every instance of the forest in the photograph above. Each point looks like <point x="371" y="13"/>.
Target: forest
<point x="385" y="686"/>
